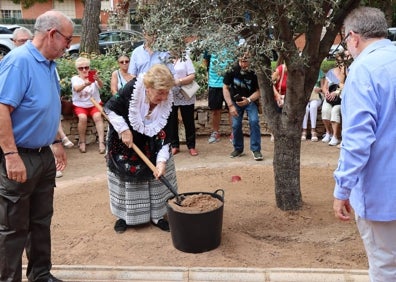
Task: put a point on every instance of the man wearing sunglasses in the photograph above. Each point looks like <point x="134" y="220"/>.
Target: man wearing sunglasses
<point x="30" y="111"/>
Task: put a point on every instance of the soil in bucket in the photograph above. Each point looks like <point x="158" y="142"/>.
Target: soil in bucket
<point x="196" y="224"/>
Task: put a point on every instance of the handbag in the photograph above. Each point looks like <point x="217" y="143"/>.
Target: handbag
<point x="337" y="99"/>
<point x="189" y="90"/>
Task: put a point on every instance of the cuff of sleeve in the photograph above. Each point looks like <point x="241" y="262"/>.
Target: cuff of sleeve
<point x="341" y="193"/>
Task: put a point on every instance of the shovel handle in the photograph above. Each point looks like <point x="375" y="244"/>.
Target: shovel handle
<point x="145" y="159"/>
<point x="99" y="107"/>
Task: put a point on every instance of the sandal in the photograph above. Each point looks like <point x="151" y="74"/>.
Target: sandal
<point x="102" y="149"/>
<point x="81" y="147"/>
<point x="314" y="137"/>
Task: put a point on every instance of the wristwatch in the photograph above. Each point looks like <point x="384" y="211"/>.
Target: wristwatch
<point x="249" y="100"/>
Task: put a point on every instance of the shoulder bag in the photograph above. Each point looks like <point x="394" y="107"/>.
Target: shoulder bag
<point x="189" y="90"/>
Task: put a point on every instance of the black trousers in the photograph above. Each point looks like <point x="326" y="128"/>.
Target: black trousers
<point x="26" y="211"/>
<point x="187" y="113"/>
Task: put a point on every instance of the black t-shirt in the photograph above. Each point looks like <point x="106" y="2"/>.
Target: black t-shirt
<point x="243" y="83"/>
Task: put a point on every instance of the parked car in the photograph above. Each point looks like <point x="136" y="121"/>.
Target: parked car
<point x="334" y="49"/>
<point x="392" y="34"/>
<point x="126" y="39"/>
<point x="6" y="44"/>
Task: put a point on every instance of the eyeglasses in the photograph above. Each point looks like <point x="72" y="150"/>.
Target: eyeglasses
<point x="83" y="68"/>
<point x="68" y="39"/>
<point x="344" y="41"/>
<point x="20" y="40"/>
<point x="124" y="62"/>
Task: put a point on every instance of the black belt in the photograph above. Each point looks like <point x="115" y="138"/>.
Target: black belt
<point x="29" y="150"/>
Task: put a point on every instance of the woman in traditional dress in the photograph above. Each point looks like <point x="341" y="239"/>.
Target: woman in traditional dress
<point x="138" y="114"/>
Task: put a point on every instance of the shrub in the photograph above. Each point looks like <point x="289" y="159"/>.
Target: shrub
<point x="202" y="79"/>
<point x="106" y="64"/>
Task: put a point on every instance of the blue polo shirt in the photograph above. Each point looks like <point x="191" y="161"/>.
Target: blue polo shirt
<point x="28" y="82"/>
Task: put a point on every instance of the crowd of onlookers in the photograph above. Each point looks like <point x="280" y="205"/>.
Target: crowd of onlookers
<point x="233" y="88"/>
<point x="143" y="137"/>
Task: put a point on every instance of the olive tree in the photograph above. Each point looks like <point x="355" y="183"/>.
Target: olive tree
<point x="265" y="26"/>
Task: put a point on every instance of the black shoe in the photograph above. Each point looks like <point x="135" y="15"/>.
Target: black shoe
<point x="51" y="278"/>
<point x="162" y="224"/>
<point x="120" y="226"/>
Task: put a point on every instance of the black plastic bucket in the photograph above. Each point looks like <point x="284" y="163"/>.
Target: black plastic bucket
<point x="196" y="232"/>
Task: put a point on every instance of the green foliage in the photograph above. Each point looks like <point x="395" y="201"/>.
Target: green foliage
<point x="28" y="3"/>
<point x="105" y="64"/>
<point x="327" y="64"/>
<point x="201" y="78"/>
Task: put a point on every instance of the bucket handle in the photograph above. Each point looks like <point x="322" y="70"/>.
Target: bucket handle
<point x="221" y="191"/>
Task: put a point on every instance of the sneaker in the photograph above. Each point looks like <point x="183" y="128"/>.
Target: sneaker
<point x="236" y="153"/>
<point x="58" y="174"/>
<point x="67" y="143"/>
<point x="303" y="137"/>
<point x="120" y="226"/>
<point x="327" y="138"/>
<point x="334" y="141"/>
<point x="214" y="137"/>
<point x="257" y="155"/>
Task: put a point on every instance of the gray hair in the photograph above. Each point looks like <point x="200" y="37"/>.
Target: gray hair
<point x="51" y="19"/>
<point x="21" y="30"/>
<point x="369" y="22"/>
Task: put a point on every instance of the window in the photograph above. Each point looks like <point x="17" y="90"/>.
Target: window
<point x="8" y="14"/>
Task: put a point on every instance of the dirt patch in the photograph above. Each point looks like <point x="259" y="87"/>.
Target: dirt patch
<point x="195" y="203"/>
<point x="255" y="232"/>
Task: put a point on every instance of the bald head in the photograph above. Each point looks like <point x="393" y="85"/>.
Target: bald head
<point x="53" y="33"/>
<point x="51" y="19"/>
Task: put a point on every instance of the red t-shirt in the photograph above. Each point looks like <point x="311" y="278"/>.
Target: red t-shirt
<point x="282" y="80"/>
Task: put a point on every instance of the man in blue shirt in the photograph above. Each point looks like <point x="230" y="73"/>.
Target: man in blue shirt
<point x="143" y="56"/>
<point x="366" y="173"/>
<point x="29" y="116"/>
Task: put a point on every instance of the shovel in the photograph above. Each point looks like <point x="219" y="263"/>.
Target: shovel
<point x="145" y="159"/>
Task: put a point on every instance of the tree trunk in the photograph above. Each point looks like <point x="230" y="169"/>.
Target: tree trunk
<point x="287" y="170"/>
<point x="286" y="128"/>
<point x="90" y="27"/>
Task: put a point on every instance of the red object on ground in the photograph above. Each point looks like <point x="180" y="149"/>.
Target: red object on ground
<point x="235" y="178"/>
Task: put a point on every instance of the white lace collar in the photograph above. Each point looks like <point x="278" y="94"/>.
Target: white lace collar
<point x="140" y="121"/>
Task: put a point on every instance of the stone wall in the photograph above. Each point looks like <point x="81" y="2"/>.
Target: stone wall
<point x="203" y="123"/>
